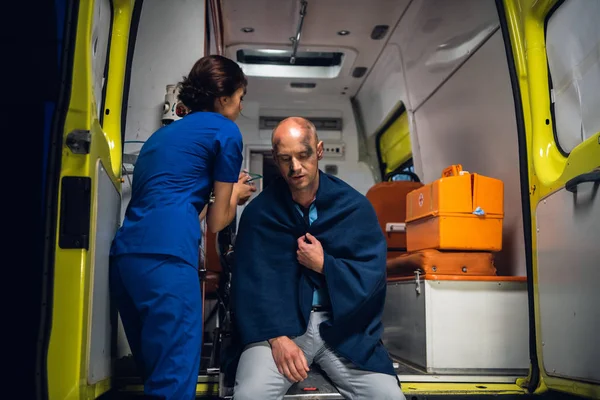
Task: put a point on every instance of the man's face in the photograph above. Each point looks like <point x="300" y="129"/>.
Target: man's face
<point x="297" y="155"/>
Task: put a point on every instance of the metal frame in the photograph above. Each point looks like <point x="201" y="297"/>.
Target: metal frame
<point x="296" y="40"/>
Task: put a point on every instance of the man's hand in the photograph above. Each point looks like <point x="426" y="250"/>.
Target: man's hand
<point x="310" y="254"/>
<point x="289" y="358"/>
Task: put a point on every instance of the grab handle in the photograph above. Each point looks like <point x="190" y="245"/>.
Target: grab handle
<point x="593" y="176"/>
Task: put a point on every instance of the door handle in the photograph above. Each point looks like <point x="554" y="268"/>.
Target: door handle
<point x="593" y="176"/>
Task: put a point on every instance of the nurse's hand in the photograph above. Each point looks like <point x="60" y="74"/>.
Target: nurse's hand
<point x="243" y="189"/>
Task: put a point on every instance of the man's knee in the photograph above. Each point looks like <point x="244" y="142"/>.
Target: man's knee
<point x="383" y="387"/>
<point x="260" y="388"/>
<point x="386" y="393"/>
<point x="248" y="390"/>
<point x="257" y="376"/>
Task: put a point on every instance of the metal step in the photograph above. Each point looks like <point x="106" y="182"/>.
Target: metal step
<point x="315" y="386"/>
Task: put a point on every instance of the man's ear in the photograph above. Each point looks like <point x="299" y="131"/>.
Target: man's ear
<point x="320" y="150"/>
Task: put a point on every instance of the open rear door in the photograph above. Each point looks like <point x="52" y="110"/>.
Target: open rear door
<point x="555" y="46"/>
<point x="78" y="360"/>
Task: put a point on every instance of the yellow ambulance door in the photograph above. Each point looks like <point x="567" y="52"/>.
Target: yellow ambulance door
<point x="78" y="361"/>
<point x="556" y="48"/>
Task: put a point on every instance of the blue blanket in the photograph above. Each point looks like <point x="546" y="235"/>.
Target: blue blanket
<point x="272" y="293"/>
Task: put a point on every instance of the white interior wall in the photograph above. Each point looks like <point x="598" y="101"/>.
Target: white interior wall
<point x="447" y="63"/>
<point x="382" y="93"/>
<point x="384" y="88"/>
<point x="436" y="37"/>
<point x="479" y="132"/>
<point x="161" y="57"/>
<point x="431" y="41"/>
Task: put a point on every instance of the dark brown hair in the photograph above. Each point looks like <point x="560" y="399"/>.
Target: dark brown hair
<point x="211" y="77"/>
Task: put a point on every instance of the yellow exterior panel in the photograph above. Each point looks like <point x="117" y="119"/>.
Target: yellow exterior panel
<point x="435" y="388"/>
<point x="548" y="169"/>
<point x="73" y="268"/>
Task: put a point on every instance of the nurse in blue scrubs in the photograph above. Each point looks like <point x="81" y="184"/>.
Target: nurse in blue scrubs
<point x="154" y="255"/>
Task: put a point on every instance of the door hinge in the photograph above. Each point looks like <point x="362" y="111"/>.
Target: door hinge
<point x="418" y="281"/>
<point x="79" y="141"/>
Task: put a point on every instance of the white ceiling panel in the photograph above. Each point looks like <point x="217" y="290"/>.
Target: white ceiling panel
<point x="275" y="22"/>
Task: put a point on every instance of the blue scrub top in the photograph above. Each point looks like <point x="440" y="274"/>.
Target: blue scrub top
<point x="172" y="181"/>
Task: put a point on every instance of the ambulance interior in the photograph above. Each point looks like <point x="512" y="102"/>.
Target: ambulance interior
<point x="399" y="90"/>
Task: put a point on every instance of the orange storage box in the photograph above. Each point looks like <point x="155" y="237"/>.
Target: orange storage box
<point x="460" y="211"/>
<point x="389" y="201"/>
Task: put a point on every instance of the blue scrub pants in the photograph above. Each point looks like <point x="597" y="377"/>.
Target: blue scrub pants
<point x="159" y="299"/>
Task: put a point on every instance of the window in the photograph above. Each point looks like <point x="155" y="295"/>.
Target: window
<point x="393" y="143"/>
<point x="573" y="51"/>
<point x="406" y="172"/>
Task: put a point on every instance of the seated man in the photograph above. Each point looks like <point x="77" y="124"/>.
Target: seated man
<point x="309" y="280"/>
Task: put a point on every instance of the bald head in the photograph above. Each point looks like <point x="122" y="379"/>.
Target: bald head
<point x="297" y="151"/>
<point x="295" y="127"/>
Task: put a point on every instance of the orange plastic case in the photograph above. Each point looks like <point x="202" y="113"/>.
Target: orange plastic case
<point x="460" y="211"/>
<point x="475" y="263"/>
<point x="389" y="201"/>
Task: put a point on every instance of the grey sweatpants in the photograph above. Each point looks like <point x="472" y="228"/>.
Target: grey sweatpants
<point x="257" y="376"/>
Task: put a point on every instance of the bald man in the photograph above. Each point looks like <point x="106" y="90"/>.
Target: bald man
<point x="309" y="280"/>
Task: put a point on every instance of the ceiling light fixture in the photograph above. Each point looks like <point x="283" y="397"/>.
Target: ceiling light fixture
<point x="247" y="29"/>
<point x="272" y="51"/>
<point x="343" y="33"/>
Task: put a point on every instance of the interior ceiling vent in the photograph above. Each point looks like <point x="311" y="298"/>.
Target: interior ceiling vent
<point x="303" y="85"/>
<point x="322" y="124"/>
<point x="379" y="32"/>
<point x="359" y="72"/>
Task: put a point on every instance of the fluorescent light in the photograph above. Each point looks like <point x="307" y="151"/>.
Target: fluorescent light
<point x="273" y="51"/>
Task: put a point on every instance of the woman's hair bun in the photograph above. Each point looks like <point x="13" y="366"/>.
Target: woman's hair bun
<point x="211" y="77"/>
